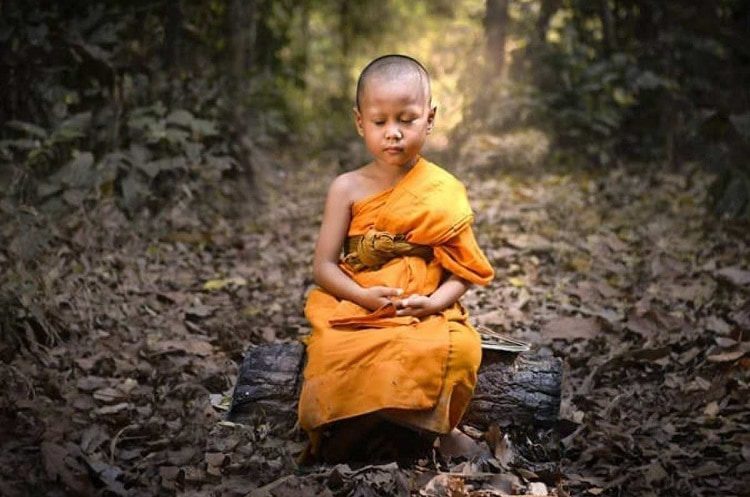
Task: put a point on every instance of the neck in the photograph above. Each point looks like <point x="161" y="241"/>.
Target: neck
<point x="395" y="173"/>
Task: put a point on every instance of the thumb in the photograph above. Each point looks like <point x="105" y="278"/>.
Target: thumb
<point x="388" y="291"/>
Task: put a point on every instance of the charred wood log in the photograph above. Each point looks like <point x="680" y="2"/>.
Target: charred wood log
<point x="513" y="390"/>
<point x="516" y="389"/>
<point x="268" y="385"/>
<point x="517" y="394"/>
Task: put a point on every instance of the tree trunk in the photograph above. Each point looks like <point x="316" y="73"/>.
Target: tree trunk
<point x="241" y="24"/>
<point x="496" y="30"/>
<point x="346" y="36"/>
<point x="171" y="52"/>
<point x="512" y="389"/>
<point x="609" y="39"/>
<point x="517" y="393"/>
<point x="546" y="11"/>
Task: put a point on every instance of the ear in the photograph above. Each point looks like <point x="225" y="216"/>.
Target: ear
<point x="358" y="121"/>
<point x="431" y="119"/>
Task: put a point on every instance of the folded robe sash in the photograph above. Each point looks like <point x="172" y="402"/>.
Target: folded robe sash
<point x="361" y="361"/>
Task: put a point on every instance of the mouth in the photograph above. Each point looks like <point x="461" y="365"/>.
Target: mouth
<point x="393" y="150"/>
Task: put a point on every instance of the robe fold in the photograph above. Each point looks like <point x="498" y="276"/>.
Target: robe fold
<point x="418" y="372"/>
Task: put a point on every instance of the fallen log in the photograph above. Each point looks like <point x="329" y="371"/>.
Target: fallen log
<point x="517" y="392"/>
<point x="512" y="389"/>
<point x="268" y="385"/>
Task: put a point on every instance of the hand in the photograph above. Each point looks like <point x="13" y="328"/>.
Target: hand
<point x="376" y="297"/>
<point x="416" y="305"/>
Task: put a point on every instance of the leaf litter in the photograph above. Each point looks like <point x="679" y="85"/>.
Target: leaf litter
<point x="121" y="340"/>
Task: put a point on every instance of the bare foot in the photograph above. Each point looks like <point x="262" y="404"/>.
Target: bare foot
<point x="457" y="444"/>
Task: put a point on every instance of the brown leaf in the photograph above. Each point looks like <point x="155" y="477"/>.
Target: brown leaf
<point x="712" y="409"/>
<point x="501" y="446"/>
<point x="571" y="328"/>
<point x="655" y="472"/>
<point x="537" y="488"/>
<point x="91" y="383"/>
<point x="60" y="463"/>
<point x="727" y="356"/>
<point x="531" y="242"/>
<point x="457" y="444"/>
<point x="109" y="395"/>
<point x="734" y="275"/>
<point x="199" y="311"/>
<point x="643" y="325"/>
<point x="194" y="347"/>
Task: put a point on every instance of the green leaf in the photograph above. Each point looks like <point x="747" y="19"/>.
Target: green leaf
<point x="176" y="136"/>
<point x="72" y="128"/>
<point x="134" y="192"/>
<point x="141" y="122"/>
<point x="741" y="123"/>
<point x="205" y="127"/>
<point x="180" y="117"/>
<point x="28" y="128"/>
<point x="78" y="172"/>
<point x="19" y="144"/>
<point x="733" y="197"/>
<point x="647" y="80"/>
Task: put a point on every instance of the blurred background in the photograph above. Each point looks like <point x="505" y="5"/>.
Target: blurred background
<point x="163" y="168"/>
<point x="136" y="100"/>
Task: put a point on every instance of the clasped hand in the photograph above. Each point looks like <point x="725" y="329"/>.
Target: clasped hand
<point x="413" y="305"/>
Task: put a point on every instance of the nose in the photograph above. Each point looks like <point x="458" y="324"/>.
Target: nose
<point x="393" y="132"/>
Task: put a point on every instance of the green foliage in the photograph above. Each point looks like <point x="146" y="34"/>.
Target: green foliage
<point x="638" y="80"/>
<point x="94" y="113"/>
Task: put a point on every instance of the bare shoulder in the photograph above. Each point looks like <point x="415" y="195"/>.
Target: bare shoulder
<point x="349" y="185"/>
<point x="342" y="186"/>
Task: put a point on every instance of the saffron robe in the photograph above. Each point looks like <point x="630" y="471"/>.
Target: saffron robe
<point x="417" y="372"/>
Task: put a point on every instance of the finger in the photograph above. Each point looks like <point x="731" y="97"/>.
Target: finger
<point x="410" y="312"/>
<point x="415" y="302"/>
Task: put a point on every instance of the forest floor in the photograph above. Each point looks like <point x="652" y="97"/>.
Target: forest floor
<point x="132" y="331"/>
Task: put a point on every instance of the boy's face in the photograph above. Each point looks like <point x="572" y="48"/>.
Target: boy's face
<point x="394" y="118"/>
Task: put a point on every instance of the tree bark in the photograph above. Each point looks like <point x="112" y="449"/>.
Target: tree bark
<point x="241" y="25"/>
<point x="496" y="30"/>
<point x="609" y="38"/>
<point x="517" y="394"/>
<point x="171" y="52"/>
<point x="546" y="11"/>
<point x="512" y="389"/>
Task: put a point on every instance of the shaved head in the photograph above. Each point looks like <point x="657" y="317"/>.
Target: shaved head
<point x="393" y="67"/>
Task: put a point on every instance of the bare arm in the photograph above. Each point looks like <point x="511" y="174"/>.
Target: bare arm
<point x="446" y="295"/>
<point x="333" y="230"/>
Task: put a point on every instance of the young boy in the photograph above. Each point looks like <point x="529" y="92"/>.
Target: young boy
<point x="390" y="340"/>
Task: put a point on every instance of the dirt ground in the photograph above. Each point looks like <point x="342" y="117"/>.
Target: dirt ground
<point x="122" y="338"/>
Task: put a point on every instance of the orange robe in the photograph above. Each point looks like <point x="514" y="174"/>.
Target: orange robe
<point x="418" y="372"/>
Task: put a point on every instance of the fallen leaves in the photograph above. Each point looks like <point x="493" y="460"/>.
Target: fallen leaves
<point x="218" y="284"/>
<point x="734" y="275"/>
<point x="648" y="307"/>
<point x="569" y="328"/>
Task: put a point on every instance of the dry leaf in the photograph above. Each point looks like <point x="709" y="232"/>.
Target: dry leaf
<point x="537" y="488"/>
<point x="712" y="409"/>
<point x="194" y="347"/>
<point x="570" y="328"/>
<point x="734" y="275"/>
<point x="218" y="284"/>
